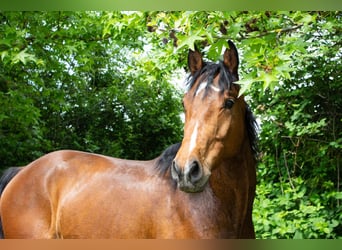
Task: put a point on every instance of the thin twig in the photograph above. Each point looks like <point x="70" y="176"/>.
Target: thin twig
<point x="277" y="31"/>
<point x="288" y="172"/>
<point x="280" y="176"/>
<point x="298" y="137"/>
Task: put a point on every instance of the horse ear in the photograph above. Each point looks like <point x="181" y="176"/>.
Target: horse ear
<point x="231" y="60"/>
<point x="195" y="61"/>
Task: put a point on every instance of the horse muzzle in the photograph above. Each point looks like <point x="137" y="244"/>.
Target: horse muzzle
<point x="191" y="178"/>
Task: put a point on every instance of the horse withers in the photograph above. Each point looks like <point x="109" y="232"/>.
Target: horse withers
<point x="202" y="187"/>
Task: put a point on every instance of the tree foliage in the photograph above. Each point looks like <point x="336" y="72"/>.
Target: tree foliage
<point x="105" y="82"/>
<point x="66" y="83"/>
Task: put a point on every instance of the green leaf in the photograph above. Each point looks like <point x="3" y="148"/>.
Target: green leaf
<point x="4" y="54"/>
<point x="339" y="195"/>
<point x="3" y="117"/>
<point x="23" y="57"/>
<point x="245" y="84"/>
<point x="189" y="41"/>
<point x="215" y="49"/>
<point x="298" y="235"/>
<point x="269" y="81"/>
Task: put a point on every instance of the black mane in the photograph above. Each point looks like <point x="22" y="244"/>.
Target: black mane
<point x="252" y="131"/>
<point x="207" y="74"/>
<point x="165" y="159"/>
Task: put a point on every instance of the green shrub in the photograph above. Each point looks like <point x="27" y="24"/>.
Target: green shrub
<point x="288" y="210"/>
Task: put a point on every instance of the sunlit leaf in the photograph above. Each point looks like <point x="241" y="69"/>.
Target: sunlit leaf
<point x="189" y="41"/>
<point x="23" y="57"/>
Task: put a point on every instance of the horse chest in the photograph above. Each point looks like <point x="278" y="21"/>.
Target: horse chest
<point x="194" y="216"/>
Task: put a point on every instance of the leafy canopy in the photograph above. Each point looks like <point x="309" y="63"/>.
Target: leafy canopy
<point x="107" y="82"/>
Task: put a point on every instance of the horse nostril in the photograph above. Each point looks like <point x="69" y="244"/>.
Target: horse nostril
<point x="175" y="171"/>
<point x="195" y="172"/>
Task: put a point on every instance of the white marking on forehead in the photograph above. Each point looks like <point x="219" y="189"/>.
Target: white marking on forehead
<point x="215" y="88"/>
<point x="203" y="85"/>
<point x="193" y="139"/>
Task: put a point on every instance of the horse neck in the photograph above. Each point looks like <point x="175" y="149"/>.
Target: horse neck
<point x="235" y="178"/>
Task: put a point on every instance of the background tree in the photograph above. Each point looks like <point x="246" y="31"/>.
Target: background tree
<point x="105" y="82"/>
<point x="66" y="84"/>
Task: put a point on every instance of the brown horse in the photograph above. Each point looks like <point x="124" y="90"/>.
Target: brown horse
<point x="201" y="188"/>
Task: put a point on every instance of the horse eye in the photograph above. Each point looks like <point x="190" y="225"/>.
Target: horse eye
<point x="228" y="104"/>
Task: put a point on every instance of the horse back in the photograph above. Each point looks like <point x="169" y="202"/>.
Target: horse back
<point x="31" y="201"/>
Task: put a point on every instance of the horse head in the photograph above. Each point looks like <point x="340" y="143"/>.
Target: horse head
<point x="214" y="127"/>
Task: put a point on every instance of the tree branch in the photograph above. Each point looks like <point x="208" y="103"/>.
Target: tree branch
<point x="277" y="31"/>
